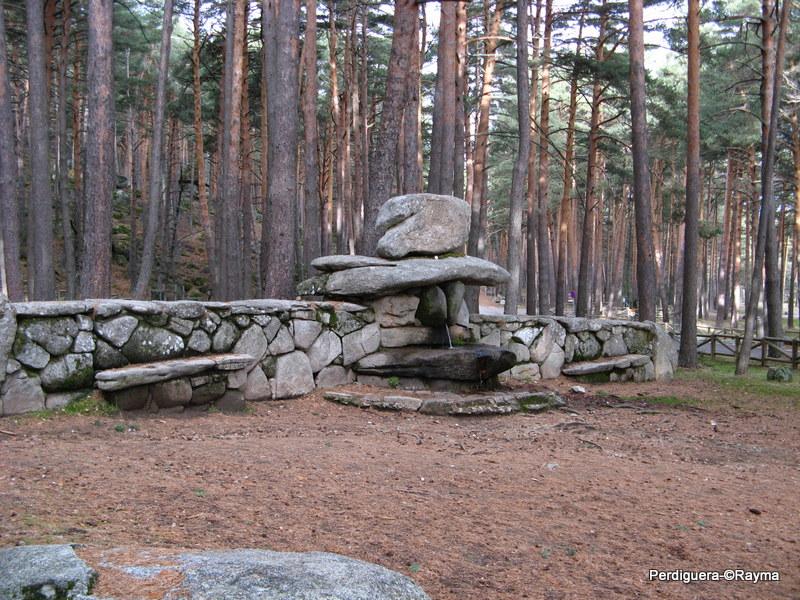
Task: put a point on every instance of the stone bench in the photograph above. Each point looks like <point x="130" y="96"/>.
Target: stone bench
<point x="628" y="367"/>
<point x="178" y="383"/>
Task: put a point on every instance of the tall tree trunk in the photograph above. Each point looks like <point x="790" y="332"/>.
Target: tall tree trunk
<point x="645" y="260"/>
<point x="543" y="245"/>
<point x="586" y="260"/>
<point x="199" y="152"/>
<point x="100" y="167"/>
<point x="412" y="169"/>
<point x="442" y="167"/>
<point x="154" y="193"/>
<point x="230" y="254"/>
<point x="772" y="283"/>
<point x="795" y="270"/>
<point x="476" y="243"/>
<point x="41" y="197"/>
<point x="687" y="356"/>
<point x="566" y="194"/>
<point x="520" y="175"/>
<point x="767" y="187"/>
<point x="64" y="199"/>
<point x="311" y="232"/>
<point x="383" y="151"/>
<point x="9" y="205"/>
<point x="531" y="292"/>
<point x="282" y="53"/>
<point x="460" y="92"/>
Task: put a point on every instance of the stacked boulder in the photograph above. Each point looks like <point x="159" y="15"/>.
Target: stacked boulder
<point x="416" y="288"/>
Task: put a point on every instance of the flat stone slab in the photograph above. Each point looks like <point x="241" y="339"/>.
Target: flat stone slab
<point x="604" y="365"/>
<point x="146" y="373"/>
<point x="52" y="309"/>
<point x="475" y="362"/>
<point x="53" y="571"/>
<point x="447" y="403"/>
<point x="341" y="262"/>
<point x="403" y="275"/>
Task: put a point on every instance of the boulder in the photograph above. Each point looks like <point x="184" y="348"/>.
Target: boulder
<point x="664" y="354"/>
<point x="248" y="574"/>
<point x="108" y="357"/>
<point x="293" y="375"/>
<point x="325" y="349"/>
<point x="30" y="353"/>
<point x="526" y="335"/>
<point x="410" y="273"/>
<point x="341" y="262"/>
<point x="224" y="337"/>
<point x="54" y="334"/>
<point x="551" y="367"/>
<point x="360" y="343"/>
<point x="21" y="393"/>
<point x="614" y="345"/>
<point x="427" y="224"/>
<point x="462" y="316"/>
<point x="116" y="331"/>
<point x="252" y="342"/>
<point x="175" y="392"/>
<point x="44" y="572"/>
<point x="305" y="332"/>
<point x="208" y="392"/>
<point x="432" y="309"/>
<point x="68" y="372"/>
<point x="150" y="343"/>
<point x="283" y="342"/>
<point x="199" y="341"/>
<point x="465" y="363"/>
<point x="180" y="326"/>
<point x="396" y="311"/>
<point x="334" y="375"/>
<point x="454" y="292"/>
<point x="8" y="331"/>
<point x="84" y="342"/>
<point x="257" y="386"/>
<point x="62" y="399"/>
<point x="231" y="401"/>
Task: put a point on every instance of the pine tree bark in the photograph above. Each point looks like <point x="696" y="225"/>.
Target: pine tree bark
<point x="199" y="151"/>
<point x="795" y="268"/>
<point x="588" y="234"/>
<point x="565" y="212"/>
<point x="100" y="168"/>
<point x="383" y="151"/>
<point x="311" y="232"/>
<point x="460" y="116"/>
<point x="442" y="165"/>
<point x="687" y="355"/>
<point x="520" y="174"/>
<point x="154" y="191"/>
<point x="9" y="205"/>
<point x="645" y="260"/>
<point x="412" y="168"/>
<point x="282" y="56"/>
<point x="543" y="243"/>
<point x="772" y="283"/>
<point x="767" y="187"/>
<point x="531" y="292"/>
<point x="41" y="197"/>
<point x="476" y="242"/>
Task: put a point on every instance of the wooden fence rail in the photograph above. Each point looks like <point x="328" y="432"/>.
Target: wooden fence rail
<point x="782" y="350"/>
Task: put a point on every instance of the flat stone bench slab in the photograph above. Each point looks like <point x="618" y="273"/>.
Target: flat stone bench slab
<point x="605" y="365"/>
<point x="446" y="403"/>
<point x="154" y="372"/>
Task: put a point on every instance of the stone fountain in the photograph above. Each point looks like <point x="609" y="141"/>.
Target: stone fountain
<point x="416" y="288"/>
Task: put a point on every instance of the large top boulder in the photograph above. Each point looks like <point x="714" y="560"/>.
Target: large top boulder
<point x="422" y="224"/>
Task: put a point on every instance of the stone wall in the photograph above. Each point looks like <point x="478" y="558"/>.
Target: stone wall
<point x="52" y="352"/>
<point x="547" y="347"/>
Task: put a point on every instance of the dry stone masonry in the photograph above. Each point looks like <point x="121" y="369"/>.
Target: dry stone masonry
<point x="398" y="320"/>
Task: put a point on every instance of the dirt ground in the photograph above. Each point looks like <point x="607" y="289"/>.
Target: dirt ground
<point x="566" y="504"/>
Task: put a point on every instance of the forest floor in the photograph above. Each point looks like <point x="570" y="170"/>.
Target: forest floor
<point x="699" y="474"/>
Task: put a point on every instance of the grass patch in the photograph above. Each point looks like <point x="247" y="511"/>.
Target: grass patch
<point x="90" y="404"/>
<point x="733" y="389"/>
<point x="667" y="400"/>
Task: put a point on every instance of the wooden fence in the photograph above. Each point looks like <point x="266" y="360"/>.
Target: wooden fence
<point x="783" y="350"/>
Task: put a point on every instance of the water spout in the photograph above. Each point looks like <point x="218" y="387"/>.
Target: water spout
<point x="449" y="339"/>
